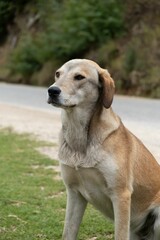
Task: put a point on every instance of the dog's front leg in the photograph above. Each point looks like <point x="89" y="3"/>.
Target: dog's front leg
<point x="76" y="205"/>
<point x="122" y="205"/>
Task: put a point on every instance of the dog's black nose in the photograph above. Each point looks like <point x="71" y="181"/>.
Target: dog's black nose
<point x="54" y="91"/>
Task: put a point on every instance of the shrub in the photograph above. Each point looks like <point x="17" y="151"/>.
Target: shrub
<point x="8" y="9"/>
<point x="130" y="60"/>
<point x="84" y="25"/>
<point x="27" y="58"/>
<point x="6" y="15"/>
<point x="69" y="32"/>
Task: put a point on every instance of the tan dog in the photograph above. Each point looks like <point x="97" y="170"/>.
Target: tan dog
<point x="101" y="161"/>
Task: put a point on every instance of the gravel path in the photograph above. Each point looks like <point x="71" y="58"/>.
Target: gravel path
<point x="43" y="125"/>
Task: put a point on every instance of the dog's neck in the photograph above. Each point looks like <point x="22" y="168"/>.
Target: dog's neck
<point x="75" y="124"/>
<point x="80" y="126"/>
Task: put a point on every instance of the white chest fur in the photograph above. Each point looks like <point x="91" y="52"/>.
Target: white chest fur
<point x="75" y="158"/>
<point x="93" y="186"/>
<point x="94" y="158"/>
<point x="78" y="148"/>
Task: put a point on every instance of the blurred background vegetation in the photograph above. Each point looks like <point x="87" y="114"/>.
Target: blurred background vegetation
<point x="37" y="36"/>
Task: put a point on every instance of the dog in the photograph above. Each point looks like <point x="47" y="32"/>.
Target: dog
<point x="101" y="161"/>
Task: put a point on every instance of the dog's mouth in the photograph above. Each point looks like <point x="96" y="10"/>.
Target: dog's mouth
<point x="56" y="103"/>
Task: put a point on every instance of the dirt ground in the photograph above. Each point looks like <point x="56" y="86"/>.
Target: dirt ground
<point x="44" y="125"/>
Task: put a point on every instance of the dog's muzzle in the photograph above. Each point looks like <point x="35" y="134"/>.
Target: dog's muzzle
<point x="53" y="94"/>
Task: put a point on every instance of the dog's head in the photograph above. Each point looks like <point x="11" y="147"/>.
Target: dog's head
<point x="79" y="82"/>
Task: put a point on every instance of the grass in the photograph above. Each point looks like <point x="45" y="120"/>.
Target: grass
<point x="32" y="201"/>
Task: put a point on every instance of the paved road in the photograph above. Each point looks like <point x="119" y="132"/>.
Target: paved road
<point x="22" y="95"/>
<point x="140" y="115"/>
<point x="129" y="108"/>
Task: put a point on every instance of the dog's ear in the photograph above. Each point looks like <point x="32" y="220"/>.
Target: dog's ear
<point x="107" y="84"/>
<point x="108" y="87"/>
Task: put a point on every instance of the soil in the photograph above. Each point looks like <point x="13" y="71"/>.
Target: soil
<point x="43" y="125"/>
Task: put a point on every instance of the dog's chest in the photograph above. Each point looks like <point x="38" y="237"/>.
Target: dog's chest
<point x="76" y="149"/>
<point x="93" y="186"/>
<point x="79" y="157"/>
<point x="94" y="157"/>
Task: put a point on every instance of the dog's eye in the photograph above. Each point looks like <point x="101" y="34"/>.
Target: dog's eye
<point x="79" y="77"/>
<point x="57" y="74"/>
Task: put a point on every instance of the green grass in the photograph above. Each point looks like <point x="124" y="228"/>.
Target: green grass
<point x="32" y="202"/>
